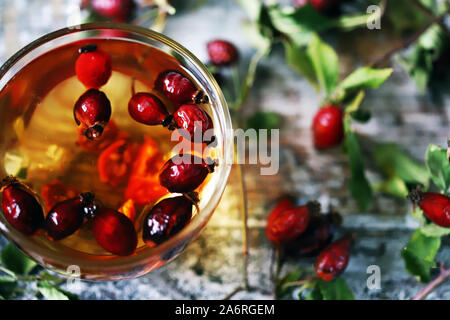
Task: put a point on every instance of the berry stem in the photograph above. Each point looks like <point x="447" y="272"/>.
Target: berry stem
<point x="431" y="16"/>
<point x="444" y="274"/>
<point x="300" y="282"/>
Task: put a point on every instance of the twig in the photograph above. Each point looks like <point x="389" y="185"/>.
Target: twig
<point x="445" y="273"/>
<point x="431" y="16"/>
<point x="299" y="282"/>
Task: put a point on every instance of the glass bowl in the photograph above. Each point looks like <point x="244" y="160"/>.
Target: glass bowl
<point x="146" y="259"/>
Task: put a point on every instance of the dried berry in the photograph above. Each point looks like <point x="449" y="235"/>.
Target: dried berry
<point x="333" y="260"/>
<point x="222" y="52"/>
<point x="116" y="10"/>
<point x="166" y="218"/>
<point x="93" y="66"/>
<point x="146" y="108"/>
<point x="178" y="88"/>
<point x="195" y="124"/>
<point x="20" y="206"/>
<point x="328" y="127"/>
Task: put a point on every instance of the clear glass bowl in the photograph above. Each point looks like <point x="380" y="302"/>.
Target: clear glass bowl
<point x="93" y="267"/>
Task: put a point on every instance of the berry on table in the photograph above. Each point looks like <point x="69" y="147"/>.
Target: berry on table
<point x="117" y="10"/>
<point x="222" y="52"/>
<point x="435" y="206"/>
<point x="92" y="112"/>
<point x="67" y="216"/>
<point x="20" y="206"/>
<point x="114" y="232"/>
<point x="165" y="219"/>
<point x="194" y="121"/>
<point x="334" y="258"/>
<point x="178" y="88"/>
<point x="93" y="66"/>
<point x="328" y="127"/>
<point x="184" y="173"/>
<point x="146" y="108"/>
<point x="290" y="223"/>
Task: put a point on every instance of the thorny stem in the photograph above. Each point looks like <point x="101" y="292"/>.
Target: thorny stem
<point x="444" y="274"/>
<point x="431" y="16"/>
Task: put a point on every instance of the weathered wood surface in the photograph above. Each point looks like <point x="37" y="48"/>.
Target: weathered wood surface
<point x="210" y="267"/>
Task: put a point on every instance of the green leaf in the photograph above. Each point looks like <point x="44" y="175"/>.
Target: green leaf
<point x="252" y="7"/>
<point x="325" y="63"/>
<point x="15" y="260"/>
<point x="433" y="230"/>
<point x="336" y="289"/>
<point x="264" y="120"/>
<point x="50" y="292"/>
<point x="405" y="17"/>
<point x="256" y="38"/>
<point x="419" y="255"/>
<point x="398" y="167"/>
<point x="359" y="186"/>
<point x="438" y="166"/>
<point x="354" y="104"/>
<point x="299" y="60"/>
<point x="366" y="77"/>
<point x="280" y="290"/>
<point x="8" y="287"/>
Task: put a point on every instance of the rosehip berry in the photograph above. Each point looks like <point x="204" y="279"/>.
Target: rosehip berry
<point x="146" y="108"/>
<point x="114" y="232"/>
<point x="165" y="219"/>
<point x="319" y="5"/>
<point x="92" y="111"/>
<point x="178" y="88"/>
<point x="222" y="52"/>
<point x="333" y="259"/>
<point x="317" y="235"/>
<point x="183" y="174"/>
<point x="67" y="216"/>
<point x="290" y="223"/>
<point x="117" y="10"/>
<point x="20" y="206"/>
<point x="283" y="204"/>
<point x="435" y="206"/>
<point x="93" y="66"/>
<point x="194" y="121"/>
<point x="328" y="127"/>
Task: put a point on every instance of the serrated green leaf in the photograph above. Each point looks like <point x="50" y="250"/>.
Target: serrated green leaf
<point x="264" y="120"/>
<point x="15" y="260"/>
<point x="419" y="255"/>
<point x="365" y="77"/>
<point x="50" y="292"/>
<point x="438" y="166"/>
<point x="336" y="289"/>
<point x="299" y="60"/>
<point x="325" y="63"/>
<point x="359" y="185"/>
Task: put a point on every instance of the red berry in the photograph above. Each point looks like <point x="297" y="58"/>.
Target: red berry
<point x="165" y="219"/>
<point x="92" y="111"/>
<point x="20" y="206"/>
<point x="222" y="52"/>
<point x="319" y="5"/>
<point x="194" y="121"/>
<point x="328" y="127"/>
<point x="178" y="88"/>
<point x="93" y="66"/>
<point x="290" y="223"/>
<point x="317" y="235"/>
<point x="333" y="260"/>
<point x="114" y="232"/>
<point x="67" y="216"/>
<point x="435" y="206"/>
<point x="118" y="10"/>
<point x="183" y="175"/>
<point x="146" y="108"/>
<point x="282" y="205"/>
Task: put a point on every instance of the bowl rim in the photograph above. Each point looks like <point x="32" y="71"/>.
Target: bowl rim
<point x="200" y="220"/>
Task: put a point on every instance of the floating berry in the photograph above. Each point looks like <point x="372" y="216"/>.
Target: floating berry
<point x="165" y="219"/>
<point x="93" y="66"/>
<point x="222" y="52"/>
<point x="146" y="108"/>
<point x="178" y="88"/>
<point x="328" y="127"/>
<point x="92" y="112"/>
<point x="290" y="223"/>
<point x="55" y="192"/>
<point x="333" y="259"/>
<point x="195" y="123"/>
<point x="67" y="216"/>
<point x="435" y="206"/>
<point x="184" y="173"/>
<point x="114" y="232"/>
<point x="20" y="206"/>
<point x="117" y="10"/>
<point x="317" y="235"/>
<point x="115" y="162"/>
